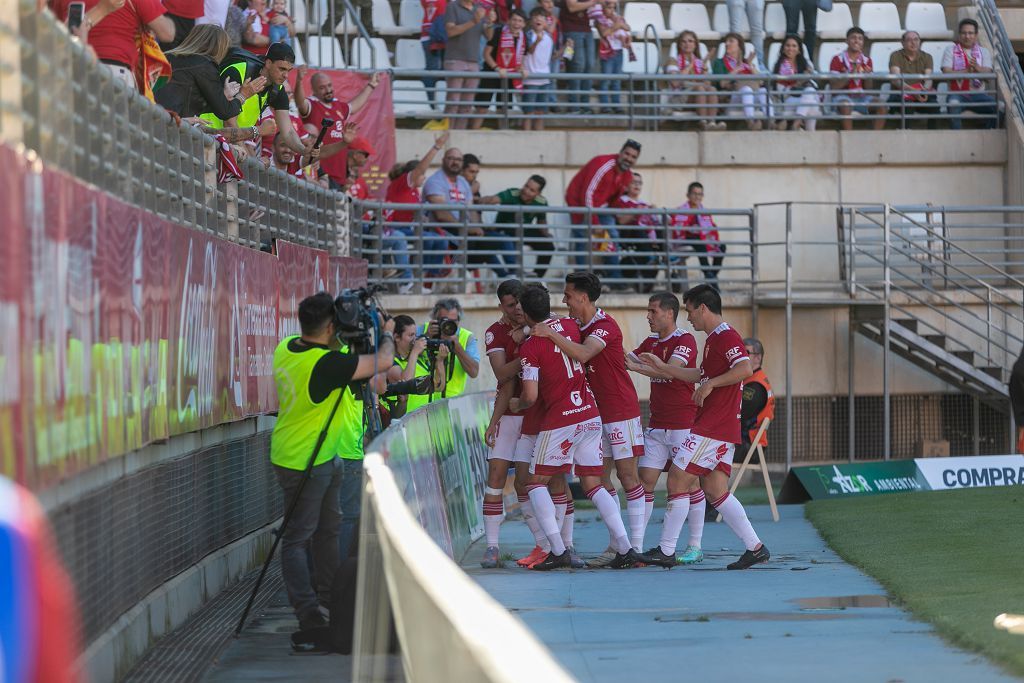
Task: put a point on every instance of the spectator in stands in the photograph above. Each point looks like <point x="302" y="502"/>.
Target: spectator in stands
<point x="537" y="95"/>
<point x="446" y="186"/>
<point x="287" y="161"/>
<point x="854" y="61"/>
<point x="754" y="9"/>
<point x="798" y="103"/>
<point x="281" y="27"/>
<point x="683" y="92"/>
<point x="914" y="96"/>
<point x="433" y="38"/>
<point x="615" y="42"/>
<point x="576" y="25"/>
<point x="183" y="14"/>
<point x="195" y="86"/>
<point x="234" y="21"/>
<point x="534" y="225"/>
<point x="322" y="104"/>
<point x="758" y="401"/>
<point x="809" y="10"/>
<point x="749" y="93"/>
<point x="470" y="171"/>
<point x="466" y="24"/>
<point x="700" y="231"/>
<point x="488" y="250"/>
<point x="293" y="113"/>
<point x="503" y="54"/>
<point x="967" y="56"/>
<point x="113" y="25"/>
<point x="256" y="32"/>
<point x="600" y="181"/>
<point x="643" y="236"/>
<point x="463" y="362"/>
<point x="554" y="27"/>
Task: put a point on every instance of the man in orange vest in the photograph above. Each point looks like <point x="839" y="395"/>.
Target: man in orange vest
<point x="758" y="399"/>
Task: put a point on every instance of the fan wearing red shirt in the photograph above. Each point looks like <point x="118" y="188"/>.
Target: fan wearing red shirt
<point x="322" y="104"/>
<point x="672" y="408"/>
<point x="851" y="96"/>
<point x="602" y="352"/>
<point x="600" y="181"/>
<point x="570" y="429"/>
<point x="701" y="233"/>
<point x="706" y="456"/>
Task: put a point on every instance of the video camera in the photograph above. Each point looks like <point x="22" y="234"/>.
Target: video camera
<point x="357" y="313"/>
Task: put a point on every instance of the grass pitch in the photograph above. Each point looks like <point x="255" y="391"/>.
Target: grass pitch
<point x="953" y="558"/>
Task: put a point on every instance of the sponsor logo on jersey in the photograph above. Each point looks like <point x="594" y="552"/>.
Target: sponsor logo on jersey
<point x="489" y="338"/>
<point x="565" y="446"/>
<point x="591" y="426"/>
<point x="576" y="398"/>
<point x="721" y="451"/>
<point x="601" y="333"/>
<point x="616" y="437"/>
<point x="733" y="353"/>
<point x="690" y="443"/>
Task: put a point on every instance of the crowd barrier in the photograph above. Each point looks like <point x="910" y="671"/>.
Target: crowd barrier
<point x="424" y="479"/>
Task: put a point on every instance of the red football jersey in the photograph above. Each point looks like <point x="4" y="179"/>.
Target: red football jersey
<point x="401" y="192"/>
<point x="531" y="420"/>
<point x="606" y="372"/>
<point x="672" y="405"/>
<point x="335" y="166"/>
<point x="719" y="417"/>
<point x="562" y="381"/>
<point x="499" y="338"/>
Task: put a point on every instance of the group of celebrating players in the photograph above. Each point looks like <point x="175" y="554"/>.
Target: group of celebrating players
<point x="565" y="402"/>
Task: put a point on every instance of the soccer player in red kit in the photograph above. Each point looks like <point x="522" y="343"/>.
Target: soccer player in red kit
<point x="672" y="409"/>
<point x="708" y="451"/>
<point x="570" y="430"/>
<point x="602" y="352"/>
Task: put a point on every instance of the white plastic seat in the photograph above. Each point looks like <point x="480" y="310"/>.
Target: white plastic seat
<point x="410" y="98"/>
<point x="773" y="54"/>
<point x="880" y="20"/>
<point x="409" y="55"/>
<point x="721" y="21"/>
<point x="721" y="50"/>
<point x="880" y="53"/>
<point x="929" y="20"/>
<point x="691" y="16"/>
<point x="702" y="50"/>
<point x="641" y="14"/>
<point x="308" y="18"/>
<point x="775" y="21"/>
<point x="440" y="95"/>
<point x="826" y="51"/>
<point x="647" y="59"/>
<point x="410" y="15"/>
<point x="300" y="59"/>
<point x="324" y="51"/>
<point x="834" y="25"/>
<point x="384" y="21"/>
<point x="363" y="54"/>
<point x="936" y="48"/>
<point x="297" y="12"/>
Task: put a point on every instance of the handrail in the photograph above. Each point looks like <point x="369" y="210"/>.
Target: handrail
<point x="350" y="11"/>
<point x="1005" y="58"/>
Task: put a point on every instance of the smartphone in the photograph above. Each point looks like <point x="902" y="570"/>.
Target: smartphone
<point x="76" y="13"/>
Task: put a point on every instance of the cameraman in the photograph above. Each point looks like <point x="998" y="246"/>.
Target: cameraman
<point x="412" y="359"/>
<point x="464" y="362"/>
<point x="310" y="373"/>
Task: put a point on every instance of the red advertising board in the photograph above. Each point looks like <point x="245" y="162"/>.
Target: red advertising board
<point x="118" y="328"/>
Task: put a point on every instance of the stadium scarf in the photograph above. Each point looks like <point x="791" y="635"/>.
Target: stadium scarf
<point x="152" y="71"/>
<point x="706" y="232"/>
<point x="848" y="66"/>
<point x="786" y="68"/>
<point x="960" y="64"/>
<point x="731" y="64"/>
<point x="510" y="53"/>
<point x="696" y="62"/>
<point x="227" y="168"/>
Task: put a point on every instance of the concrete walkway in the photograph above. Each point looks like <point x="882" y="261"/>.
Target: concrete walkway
<point x="708" y="624"/>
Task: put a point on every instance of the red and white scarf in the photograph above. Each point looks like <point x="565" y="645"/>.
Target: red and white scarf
<point x="731" y="64"/>
<point x="227" y="168"/>
<point x="786" y="68"/>
<point x="849" y="67"/>
<point x="510" y="53"/>
<point x="696" y="62"/>
<point x="960" y="64"/>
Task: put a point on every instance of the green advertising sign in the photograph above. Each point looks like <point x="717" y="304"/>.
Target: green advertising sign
<point x="847" y="480"/>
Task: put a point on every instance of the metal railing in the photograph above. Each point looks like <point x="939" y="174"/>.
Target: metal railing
<point x="60" y="102"/>
<point x="650" y="100"/>
<point x="1006" y="63"/>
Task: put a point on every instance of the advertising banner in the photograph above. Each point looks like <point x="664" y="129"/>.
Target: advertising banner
<point x="982" y="470"/>
<point x="120" y="328"/>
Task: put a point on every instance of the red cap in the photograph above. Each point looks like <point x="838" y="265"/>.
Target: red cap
<point x="361" y="144"/>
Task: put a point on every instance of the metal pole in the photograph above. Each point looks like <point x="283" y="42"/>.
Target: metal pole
<point x="789" y="335"/>
<point x="753" y="271"/>
<point x="887" y="446"/>
<point x="851" y="389"/>
<point x="976" y="426"/>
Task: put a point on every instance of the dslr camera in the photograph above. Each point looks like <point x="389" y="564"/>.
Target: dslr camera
<point x="446" y="327"/>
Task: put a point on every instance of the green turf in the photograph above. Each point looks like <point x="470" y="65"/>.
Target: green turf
<point x="953" y="558"/>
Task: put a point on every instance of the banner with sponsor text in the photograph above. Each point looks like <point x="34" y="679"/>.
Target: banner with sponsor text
<point x="897" y="476"/>
<point x="120" y="328"/>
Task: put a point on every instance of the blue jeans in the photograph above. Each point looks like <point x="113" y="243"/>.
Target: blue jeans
<point x="582" y="63"/>
<point x="350" y="501"/>
<point x="579" y="243"/>
<point x="434" y="62"/>
<point x="434" y="248"/>
<point x="612" y="65"/>
<point x="980" y="103"/>
<point x="398" y="246"/>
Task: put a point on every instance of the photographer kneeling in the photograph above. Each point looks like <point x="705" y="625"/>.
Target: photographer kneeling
<point x="417" y="357"/>
<point x="464" y="360"/>
<point x="311" y="375"/>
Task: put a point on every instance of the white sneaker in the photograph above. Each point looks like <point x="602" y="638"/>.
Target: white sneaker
<point x="406" y="288"/>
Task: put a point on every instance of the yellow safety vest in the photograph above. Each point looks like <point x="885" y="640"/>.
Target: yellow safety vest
<point x="253" y="107"/>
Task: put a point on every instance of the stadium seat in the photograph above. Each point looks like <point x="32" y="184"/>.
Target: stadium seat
<point x="440" y="94"/>
<point x="691" y="16"/>
<point x="410" y="15"/>
<point x="880" y="52"/>
<point x="721" y="21"/>
<point x="775" y="21"/>
<point x="880" y="20"/>
<point x="308" y="18"/>
<point x="929" y="20"/>
<point x="410" y="98"/>
<point x="384" y="21"/>
<point x="647" y="59"/>
<point x="936" y="48"/>
<point x="826" y="51"/>
<point x="325" y="52"/>
<point x="409" y="55"/>
<point x="297" y="11"/>
<point x="300" y="59"/>
<point x="702" y="50"/>
<point x="834" y="25"/>
<point x="641" y="14"/>
<point x="721" y="50"/>
<point x="773" y="54"/>
<point x="363" y="54"/>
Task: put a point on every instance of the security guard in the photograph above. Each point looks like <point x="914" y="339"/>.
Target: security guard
<point x="758" y="399"/>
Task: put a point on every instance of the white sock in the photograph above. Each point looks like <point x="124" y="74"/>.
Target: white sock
<point x="675" y="516"/>
<point x="567" y="522"/>
<point x="561" y="502"/>
<point x="615" y="497"/>
<point x="635" y="510"/>
<point x="736" y="517"/>
<point x="695" y="518"/>
<point x="544" y="507"/>
<point x="609" y="510"/>
<point x="531" y="521"/>
<point x="648" y="507"/>
<point x="493" y="516"/>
